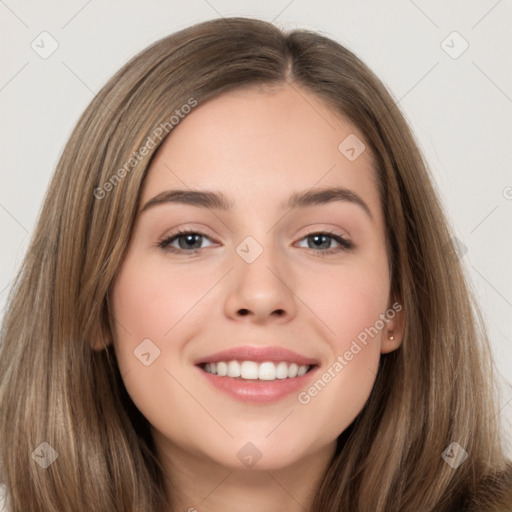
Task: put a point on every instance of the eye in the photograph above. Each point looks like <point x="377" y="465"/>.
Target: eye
<point x="322" y="240"/>
<point x="188" y="241"/>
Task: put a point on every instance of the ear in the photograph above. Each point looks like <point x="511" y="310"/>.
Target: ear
<point x="99" y="345"/>
<point x="101" y="339"/>
<point x="393" y="332"/>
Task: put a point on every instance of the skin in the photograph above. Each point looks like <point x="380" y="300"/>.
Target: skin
<point x="256" y="147"/>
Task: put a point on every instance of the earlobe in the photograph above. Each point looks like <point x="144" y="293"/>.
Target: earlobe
<point x="392" y="335"/>
<point x="101" y="340"/>
<point x="390" y="342"/>
<point x="99" y="345"/>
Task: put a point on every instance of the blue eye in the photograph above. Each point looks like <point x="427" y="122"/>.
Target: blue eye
<point x="319" y="239"/>
<point x="189" y="242"/>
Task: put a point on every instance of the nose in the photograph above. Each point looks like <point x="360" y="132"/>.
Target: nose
<point x="261" y="291"/>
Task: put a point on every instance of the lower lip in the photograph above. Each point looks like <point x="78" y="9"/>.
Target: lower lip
<point x="258" y="391"/>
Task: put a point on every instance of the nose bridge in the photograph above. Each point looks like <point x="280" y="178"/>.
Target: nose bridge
<point x="258" y="262"/>
<point x="261" y="281"/>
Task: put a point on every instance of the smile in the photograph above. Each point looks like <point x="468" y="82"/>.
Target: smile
<point x="257" y="374"/>
<point x="252" y="370"/>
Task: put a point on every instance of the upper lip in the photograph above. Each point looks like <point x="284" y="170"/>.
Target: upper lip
<point x="259" y="355"/>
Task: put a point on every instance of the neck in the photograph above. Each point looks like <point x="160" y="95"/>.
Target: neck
<point x="199" y="484"/>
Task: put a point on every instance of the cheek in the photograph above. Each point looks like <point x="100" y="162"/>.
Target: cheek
<point x="149" y="301"/>
<point x="349" y="299"/>
<point x="153" y="311"/>
<point x="351" y="305"/>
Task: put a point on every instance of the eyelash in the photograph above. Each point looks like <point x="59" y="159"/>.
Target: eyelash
<point x="345" y="244"/>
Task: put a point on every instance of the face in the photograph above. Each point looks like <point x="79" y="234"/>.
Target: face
<point x="264" y="288"/>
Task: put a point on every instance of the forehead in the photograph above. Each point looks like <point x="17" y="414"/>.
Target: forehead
<point x="256" y="145"/>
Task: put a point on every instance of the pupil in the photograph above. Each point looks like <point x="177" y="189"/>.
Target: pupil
<point x="190" y="240"/>
<point x="317" y="238"/>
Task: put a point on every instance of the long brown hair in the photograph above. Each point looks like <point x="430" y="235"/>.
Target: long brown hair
<point x="436" y="389"/>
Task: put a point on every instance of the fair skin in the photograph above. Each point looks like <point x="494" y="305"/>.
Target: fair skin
<point x="257" y="148"/>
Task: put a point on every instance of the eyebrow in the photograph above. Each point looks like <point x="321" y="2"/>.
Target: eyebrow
<point x="218" y="201"/>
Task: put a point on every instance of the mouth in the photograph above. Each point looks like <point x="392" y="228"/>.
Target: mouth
<point x="254" y="374"/>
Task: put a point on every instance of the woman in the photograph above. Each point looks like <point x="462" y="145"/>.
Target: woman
<point x="263" y="370"/>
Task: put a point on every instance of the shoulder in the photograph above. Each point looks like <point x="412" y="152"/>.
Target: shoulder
<point x="494" y="494"/>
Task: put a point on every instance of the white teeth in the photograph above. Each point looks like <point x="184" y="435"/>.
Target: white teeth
<point x="233" y="369"/>
<point x="282" y="370"/>
<point x="267" y="371"/>
<point x="292" y="370"/>
<point x="301" y="371"/>
<point x="249" y="370"/>
<point x="222" y="369"/>
<point x="252" y="370"/>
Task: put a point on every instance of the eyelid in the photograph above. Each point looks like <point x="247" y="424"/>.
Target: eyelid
<point x="190" y="228"/>
<point x="328" y="228"/>
<point x="330" y="231"/>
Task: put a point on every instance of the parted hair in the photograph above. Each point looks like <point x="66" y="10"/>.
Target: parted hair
<point x="437" y="388"/>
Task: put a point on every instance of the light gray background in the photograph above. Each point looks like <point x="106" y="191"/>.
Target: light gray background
<point x="458" y="104"/>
